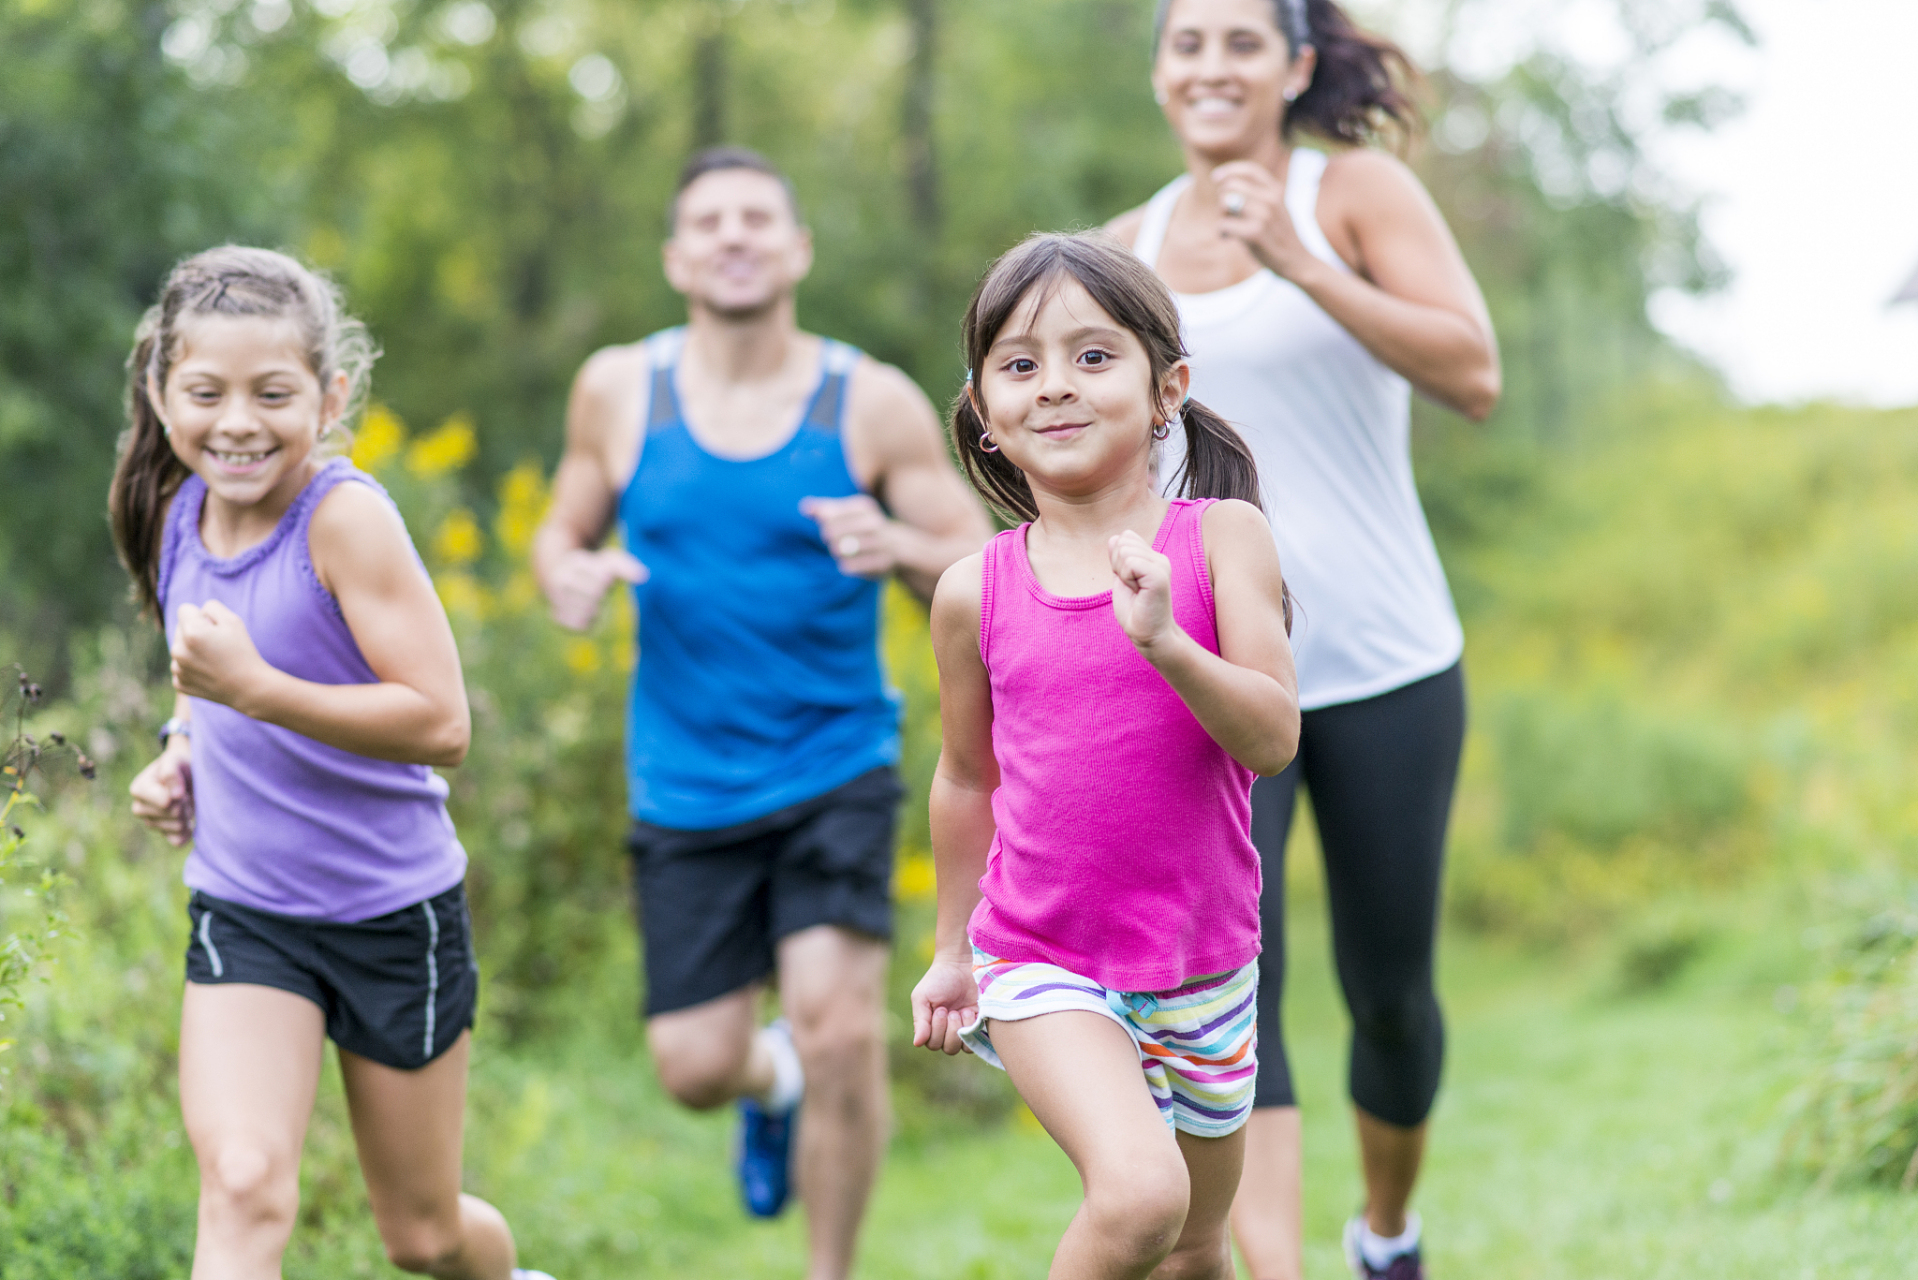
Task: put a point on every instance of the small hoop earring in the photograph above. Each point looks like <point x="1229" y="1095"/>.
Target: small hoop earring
<point x="985" y="443"/>
<point x="1172" y="423"/>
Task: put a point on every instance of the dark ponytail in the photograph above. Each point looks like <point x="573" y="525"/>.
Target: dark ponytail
<point x="232" y="280"/>
<point x="1356" y="95"/>
<point x="145" y="477"/>
<point x="1217" y="462"/>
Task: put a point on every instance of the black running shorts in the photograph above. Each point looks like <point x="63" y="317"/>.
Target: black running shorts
<point x="714" y="904"/>
<point x="398" y="988"/>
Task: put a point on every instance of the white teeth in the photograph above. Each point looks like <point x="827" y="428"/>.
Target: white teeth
<point x="237" y="459"/>
<point x="1214" y="104"/>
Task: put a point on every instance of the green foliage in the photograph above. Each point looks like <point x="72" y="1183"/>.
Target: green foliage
<point x="1856" y="1118"/>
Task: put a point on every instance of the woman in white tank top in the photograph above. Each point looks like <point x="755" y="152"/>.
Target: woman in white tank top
<point x="1316" y="295"/>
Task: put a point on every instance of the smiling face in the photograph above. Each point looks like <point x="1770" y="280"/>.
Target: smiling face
<point x="243" y="408"/>
<point x="1070" y="393"/>
<point x="737" y="249"/>
<point x="1221" y="75"/>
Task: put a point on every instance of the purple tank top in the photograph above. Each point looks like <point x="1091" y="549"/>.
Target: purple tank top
<point x="1123" y="850"/>
<point x="284" y="823"/>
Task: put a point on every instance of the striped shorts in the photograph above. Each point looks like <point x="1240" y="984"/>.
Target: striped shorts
<point x="1198" y="1045"/>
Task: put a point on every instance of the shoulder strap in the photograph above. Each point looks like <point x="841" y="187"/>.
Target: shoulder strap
<point x="836" y="363"/>
<point x="991" y="562"/>
<point x="662" y="401"/>
<point x="183" y="510"/>
<point x="1302" y="179"/>
<point x="1158" y="217"/>
<point x="1189" y="536"/>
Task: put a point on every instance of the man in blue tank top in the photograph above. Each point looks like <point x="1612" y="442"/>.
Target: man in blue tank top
<point x="766" y="482"/>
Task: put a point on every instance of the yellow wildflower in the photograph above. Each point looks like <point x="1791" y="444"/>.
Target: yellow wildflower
<point x="522" y="505"/>
<point x="916" y="881"/>
<point x="458" y="540"/>
<point x="381" y="435"/>
<point x="448" y="449"/>
<point x="462" y="594"/>
<point x="582" y="656"/>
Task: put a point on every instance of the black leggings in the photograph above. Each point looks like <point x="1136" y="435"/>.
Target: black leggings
<point x="1380" y="773"/>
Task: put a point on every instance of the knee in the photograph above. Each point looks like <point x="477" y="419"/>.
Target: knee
<point x="251" y="1183"/>
<point x="424" y="1245"/>
<point x="1397" y="1020"/>
<point x="841" y="1043"/>
<point x="1139" y="1211"/>
<point x="700" y="1079"/>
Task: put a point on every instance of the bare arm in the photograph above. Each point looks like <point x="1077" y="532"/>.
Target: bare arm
<point x="961" y="808"/>
<point x="1246" y="695"/>
<point x="602" y="416"/>
<point x="899" y="453"/>
<point x="163" y="791"/>
<point x="1411" y="300"/>
<point x="416" y="713"/>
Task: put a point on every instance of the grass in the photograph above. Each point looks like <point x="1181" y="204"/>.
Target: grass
<point x="1588" y="1128"/>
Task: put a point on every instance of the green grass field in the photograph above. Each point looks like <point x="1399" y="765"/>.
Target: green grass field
<point x="1583" y="1132"/>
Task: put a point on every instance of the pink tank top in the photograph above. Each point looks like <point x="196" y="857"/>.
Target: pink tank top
<point x="1124" y="849"/>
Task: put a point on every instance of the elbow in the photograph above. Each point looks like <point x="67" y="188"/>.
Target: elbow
<point x="1279" y="751"/>
<point x="451" y="742"/>
<point x="1479" y="396"/>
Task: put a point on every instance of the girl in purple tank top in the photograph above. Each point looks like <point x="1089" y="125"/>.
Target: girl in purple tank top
<point x="318" y="684"/>
<point x="1113" y="673"/>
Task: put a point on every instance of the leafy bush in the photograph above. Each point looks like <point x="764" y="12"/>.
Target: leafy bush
<point x="1856" y="1118"/>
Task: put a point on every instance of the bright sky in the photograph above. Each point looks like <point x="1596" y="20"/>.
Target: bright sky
<point x="1814" y="206"/>
<point x="1811" y="194"/>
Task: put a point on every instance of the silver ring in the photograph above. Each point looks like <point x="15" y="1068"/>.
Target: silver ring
<point x="847" y="546"/>
<point x="1234" y="203"/>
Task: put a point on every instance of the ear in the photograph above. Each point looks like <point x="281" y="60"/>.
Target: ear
<point x="334" y="397"/>
<point x="1176" y="387"/>
<point x="802" y="253"/>
<point x="673" y="265"/>
<point x="157" y="402"/>
<point x="1298" y="77"/>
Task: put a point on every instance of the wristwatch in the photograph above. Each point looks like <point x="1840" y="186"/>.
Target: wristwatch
<point x="175" y="725"/>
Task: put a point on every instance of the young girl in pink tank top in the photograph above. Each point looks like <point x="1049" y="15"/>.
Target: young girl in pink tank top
<point x="1113" y="674"/>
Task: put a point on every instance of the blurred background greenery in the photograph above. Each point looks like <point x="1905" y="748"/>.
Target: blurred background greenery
<point x="1682" y="928"/>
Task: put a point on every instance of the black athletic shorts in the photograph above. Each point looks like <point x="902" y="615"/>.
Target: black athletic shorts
<point x="713" y="904"/>
<point x="398" y="988"/>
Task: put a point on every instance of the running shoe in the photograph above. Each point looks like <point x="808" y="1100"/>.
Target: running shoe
<point x="1404" y="1266"/>
<point x="524" y="1273"/>
<point x="765" y="1157"/>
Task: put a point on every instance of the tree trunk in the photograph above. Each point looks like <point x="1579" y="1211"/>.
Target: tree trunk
<point x="922" y="174"/>
<point x="709" y="78"/>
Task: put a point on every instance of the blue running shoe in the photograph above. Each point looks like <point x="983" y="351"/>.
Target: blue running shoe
<point x="765" y="1157"/>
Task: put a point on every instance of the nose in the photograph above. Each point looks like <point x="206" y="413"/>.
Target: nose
<point x="1056" y="387"/>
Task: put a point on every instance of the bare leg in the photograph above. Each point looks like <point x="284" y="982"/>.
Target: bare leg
<point x="1267" y="1216"/>
<point x="832" y="983"/>
<point x="708" y="1055"/>
<point x="1079" y="1073"/>
<point x="249" y="1067"/>
<point x="1391" y="1156"/>
<point x="409" y="1128"/>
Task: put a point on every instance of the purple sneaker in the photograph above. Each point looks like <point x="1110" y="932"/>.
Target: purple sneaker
<point x="1403" y="1266"/>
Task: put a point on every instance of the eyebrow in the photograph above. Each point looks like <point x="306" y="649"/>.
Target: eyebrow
<point x="1071" y="339"/>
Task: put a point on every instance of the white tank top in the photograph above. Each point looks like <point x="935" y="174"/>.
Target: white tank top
<point x="1330" y="428"/>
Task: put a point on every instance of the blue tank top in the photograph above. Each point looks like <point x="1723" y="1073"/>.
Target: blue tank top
<point x="758" y="684"/>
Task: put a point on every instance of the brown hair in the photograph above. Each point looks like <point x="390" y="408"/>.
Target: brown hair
<point x="1355" y="96"/>
<point x="1217" y="462"/>
<point x="229" y="281"/>
<point x="721" y="159"/>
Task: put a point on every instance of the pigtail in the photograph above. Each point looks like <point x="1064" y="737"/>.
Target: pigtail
<point x="146" y="475"/>
<point x="1000" y="483"/>
<point x="1219" y="464"/>
<point x="1355" y="96"/>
